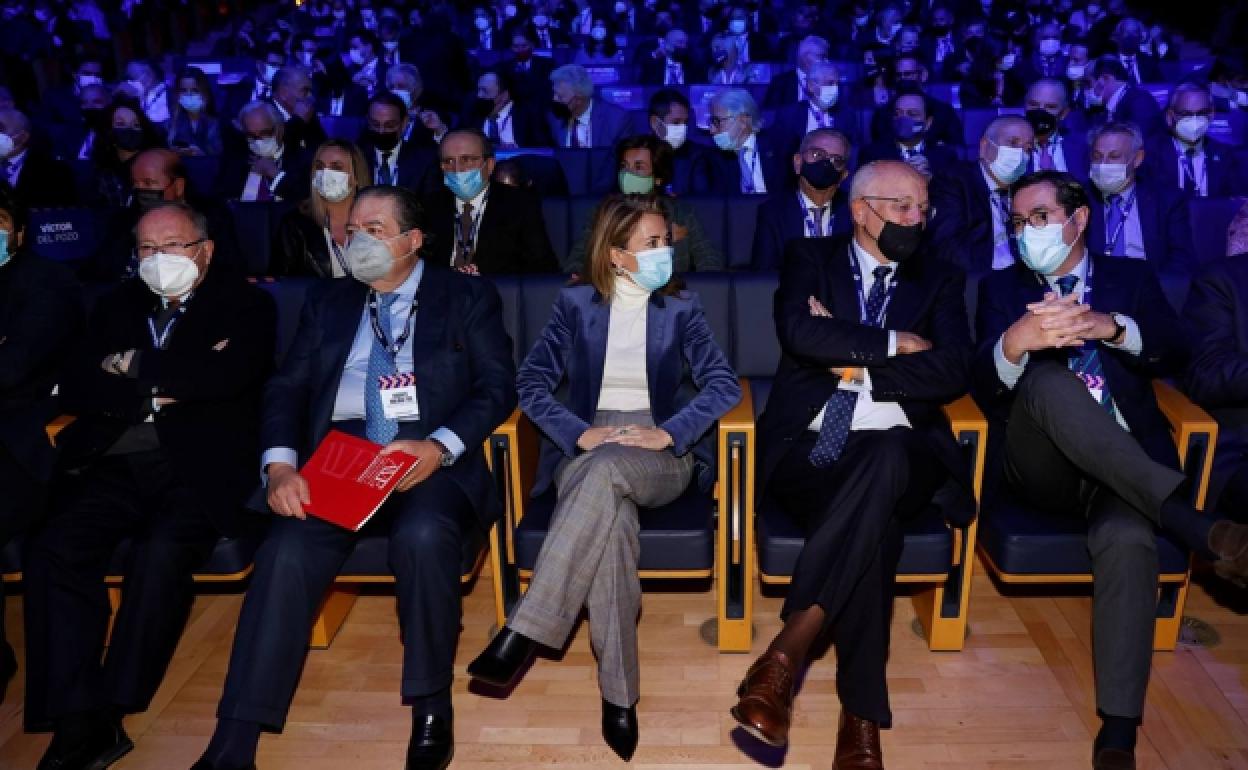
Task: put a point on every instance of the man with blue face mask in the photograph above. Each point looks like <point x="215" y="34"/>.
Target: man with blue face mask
<point x="1070" y="341"/>
<point x="482" y="228"/>
<point x="972" y="229"/>
<point x="750" y="159"/>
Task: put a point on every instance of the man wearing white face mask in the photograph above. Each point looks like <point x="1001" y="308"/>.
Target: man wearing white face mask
<point x="971" y="228"/>
<point x="823" y="107"/>
<point x="145" y="83"/>
<point x="268" y="170"/>
<point x="357" y="338"/>
<point x="38" y="178"/>
<point x="1134" y="215"/>
<point x="693" y="164"/>
<point x="166" y="391"/>
<point x="1070" y="342"/>
<point x="1186" y="158"/>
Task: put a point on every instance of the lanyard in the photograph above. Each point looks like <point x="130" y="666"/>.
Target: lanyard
<point x="1189" y="170"/>
<point x="747" y="180"/>
<point x="467" y="246"/>
<point x="336" y="250"/>
<point x="1125" y="209"/>
<point x="162" y="339"/>
<point x="814" y="224"/>
<point x="391" y="348"/>
<point x="821" y="118"/>
<point x="862" y="295"/>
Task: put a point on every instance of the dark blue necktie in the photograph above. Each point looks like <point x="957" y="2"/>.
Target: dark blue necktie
<point x="1117" y="220"/>
<point x="838" y="413"/>
<point x="1086" y="361"/>
<point x="378" y="428"/>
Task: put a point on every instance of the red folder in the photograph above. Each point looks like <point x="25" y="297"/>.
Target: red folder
<point x="349" y="479"/>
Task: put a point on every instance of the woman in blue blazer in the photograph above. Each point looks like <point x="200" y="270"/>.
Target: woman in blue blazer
<point x="646" y="383"/>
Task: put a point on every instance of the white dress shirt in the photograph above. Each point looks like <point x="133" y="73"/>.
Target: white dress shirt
<point x="156" y="105"/>
<point x="252" y="186"/>
<point x="817" y="118"/>
<point x="506" y="131"/>
<point x="583" y="128"/>
<point x="13" y="167"/>
<point x="1055" y="151"/>
<point x="751" y="164"/>
<point x="625" y="387"/>
<point x="1111" y="103"/>
<point x="478" y="212"/>
<point x="1131" y="229"/>
<point x="1199" y="169"/>
<point x="870" y="414"/>
<point x="824" y="222"/>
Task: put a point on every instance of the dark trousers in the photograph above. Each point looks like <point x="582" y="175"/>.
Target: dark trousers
<point x="133" y="496"/>
<point x="1065" y="455"/>
<point x="298" y="562"/>
<point x="852" y="513"/>
<point x="21" y="503"/>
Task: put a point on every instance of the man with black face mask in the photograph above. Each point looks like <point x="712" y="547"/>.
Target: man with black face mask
<point x="815" y="209"/>
<point x="853" y="442"/>
<point x="507" y="122"/>
<point x="390" y="160"/>
<point x="1061" y="135"/>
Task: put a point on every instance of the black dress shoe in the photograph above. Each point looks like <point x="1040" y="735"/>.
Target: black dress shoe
<point x="503" y="658"/>
<point x="432" y="744"/>
<point x="101" y="747"/>
<point x="8" y="666"/>
<point x="619" y="729"/>
<point x="204" y="764"/>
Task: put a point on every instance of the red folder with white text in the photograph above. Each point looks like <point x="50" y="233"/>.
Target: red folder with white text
<point x="349" y="479"/>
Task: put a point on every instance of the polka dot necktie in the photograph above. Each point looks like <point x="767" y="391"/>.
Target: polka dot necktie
<point x="838" y="413"/>
<point x="378" y="428"/>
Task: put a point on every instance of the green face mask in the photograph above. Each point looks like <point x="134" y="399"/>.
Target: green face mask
<point x="635" y="184"/>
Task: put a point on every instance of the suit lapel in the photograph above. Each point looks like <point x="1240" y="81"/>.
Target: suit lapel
<point x="908" y="299"/>
<point x="1096" y="224"/>
<point x="840" y="293"/>
<point x="656" y="326"/>
<point x="597" y="326"/>
<point x="1146" y="211"/>
<point x="428" y="330"/>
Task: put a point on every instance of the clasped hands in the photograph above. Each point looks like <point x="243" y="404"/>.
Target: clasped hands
<point x="907" y="342"/>
<point x="1056" y="322"/>
<point x="654" y="439"/>
<point x="289" y="494"/>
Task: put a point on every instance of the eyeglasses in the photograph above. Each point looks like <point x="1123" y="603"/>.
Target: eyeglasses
<point x="902" y="208"/>
<point x="719" y="120"/>
<point x="816" y="155"/>
<point x="181" y="248"/>
<point x="464" y="162"/>
<point x="1037" y="219"/>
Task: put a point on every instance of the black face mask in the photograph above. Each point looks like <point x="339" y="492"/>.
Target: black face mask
<point x="561" y="110"/>
<point x="146" y="200"/>
<point x="384" y="141"/>
<point x="899" y="243"/>
<point x="1043" y="122"/>
<point x="821" y="175"/>
<point x="1129" y="45"/>
<point x="906" y="129"/>
<point x="129" y="139"/>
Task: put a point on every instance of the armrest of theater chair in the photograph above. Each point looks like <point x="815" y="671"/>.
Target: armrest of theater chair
<point x="58" y="425"/>
<point x="1195" y="435"/>
<point x="513" y="454"/>
<point x="734" y="537"/>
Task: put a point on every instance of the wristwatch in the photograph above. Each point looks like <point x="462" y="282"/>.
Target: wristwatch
<point x="447" y="458"/>
<point x="1120" y="329"/>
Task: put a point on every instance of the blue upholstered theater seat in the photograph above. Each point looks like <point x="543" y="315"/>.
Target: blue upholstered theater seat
<point x="555" y="213"/>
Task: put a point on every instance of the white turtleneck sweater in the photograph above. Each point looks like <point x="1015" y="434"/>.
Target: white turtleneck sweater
<point x="624" y="384"/>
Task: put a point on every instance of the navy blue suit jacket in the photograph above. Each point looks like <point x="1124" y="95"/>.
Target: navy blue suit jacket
<point x="789" y="125"/>
<point x="1164" y="223"/>
<point x="962" y="230"/>
<point x="691" y="382"/>
<point x="1074" y="143"/>
<point x="1225" y="176"/>
<point x="781" y="219"/>
<point x="463" y="366"/>
<point x="693" y="169"/>
<point x="929" y="301"/>
<point x="608" y="124"/>
<point x="1139" y="107"/>
<point x="777" y="167"/>
<point x="1122" y="286"/>
<point x="941" y="158"/>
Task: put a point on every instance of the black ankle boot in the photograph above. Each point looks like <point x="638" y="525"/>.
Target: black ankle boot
<point x="503" y="658"/>
<point x="619" y="729"/>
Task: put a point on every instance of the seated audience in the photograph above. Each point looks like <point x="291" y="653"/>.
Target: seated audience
<point x="817" y="209"/>
<point x="1185" y="158"/>
<point x="194" y="128"/>
<point x="599" y="48"/>
<point x="39" y="179"/>
<point x="1119" y="100"/>
<point x="76" y="140"/>
<point x="750" y="161"/>
<point x="390" y="159"/>
<point x="991" y="80"/>
<point x="671" y="63"/>
<point x="908" y="72"/>
<point x="268" y="170"/>
<point x="311" y="240"/>
<point x="146" y="84"/>
<point x="1061" y="136"/>
<point x="166" y="391"/>
<point x="127" y="132"/>
<point x="578" y="119"/>
<point x="790" y="86"/>
<point x="504" y="121"/>
<point x="40" y="322"/>
<point x="292" y="96"/>
<point x="480" y="228"/>
<point x="823" y="107"/>
<point x="727" y="67"/>
<point x="693" y="164"/>
<point x="910" y="138"/>
<point x="633" y="432"/>
<point x="644" y="166"/>
<point x="425" y="127"/>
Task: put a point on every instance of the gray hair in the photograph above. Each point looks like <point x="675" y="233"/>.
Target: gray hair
<point x="197" y="219"/>
<point x="576" y="77"/>
<point x="1122" y="129"/>
<point x="993" y="132"/>
<point x="261" y="106"/>
<point x="1188" y="87"/>
<point x="813" y="41"/>
<point x="820" y="67"/>
<point x="408" y="71"/>
<point x="738" y="101"/>
<point x="289" y="74"/>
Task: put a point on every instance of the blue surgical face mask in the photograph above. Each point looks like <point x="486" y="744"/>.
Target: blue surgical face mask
<point x="464" y="185"/>
<point x="654" y="268"/>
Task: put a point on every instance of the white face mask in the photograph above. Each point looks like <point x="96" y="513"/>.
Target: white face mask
<point x="540" y="21"/>
<point x="1075" y="71"/>
<point x="136" y="86"/>
<point x="269" y="72"/>
<point x="598" y="33"/>
<point x="263" y="148"/>
<point x="404" y="94"/>
<point x="737" y="26"/>
<point x="1192" y="128"/>
<point x="6" y="145"/>
<point x="675" y="135"/>
<point x="357" y="56"/>
<point x="1050" y="46"/>
<point x="481" y="23"/>
<point x="171" y="276"/>
<point x="828" y="96"/>
<point x="1110" y="178"/>
<point x="89" y="80"/>
<point x="1006" y="63"/>
<point x="1010" y="164"/>
<point x="1044" y="249"/>
<point x="332" y="185"/>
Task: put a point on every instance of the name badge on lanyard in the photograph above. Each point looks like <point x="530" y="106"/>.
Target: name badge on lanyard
<point x="398" y="396"/>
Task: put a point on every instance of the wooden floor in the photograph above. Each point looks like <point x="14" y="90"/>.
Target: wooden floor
<point x="1019" y="696"/>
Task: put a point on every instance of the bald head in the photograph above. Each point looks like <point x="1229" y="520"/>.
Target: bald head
<point x="888" y="178"/>
<point x="884" y="193"/>
<point x="158" y="171"/>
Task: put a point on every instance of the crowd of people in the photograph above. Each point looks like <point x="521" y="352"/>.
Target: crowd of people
<point x="403" y="152"/>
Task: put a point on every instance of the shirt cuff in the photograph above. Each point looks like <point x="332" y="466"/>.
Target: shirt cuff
<point x="1132" y="342"/>
<point x="892" y="344"/>
<point x="278" y="454"/>
<point x="1008" y="373"/>
<point x="447" y="438"/>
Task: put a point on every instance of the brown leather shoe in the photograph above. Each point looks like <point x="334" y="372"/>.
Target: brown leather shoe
<point x="1113" y="759"/>
<point x="857" y="744"/>
<point x="765" y="709"/>
<point x="1229" y="540"/>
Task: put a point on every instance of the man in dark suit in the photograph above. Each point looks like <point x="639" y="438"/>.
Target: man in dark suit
<point x="1123" y="102"/>
<point x="1061" y="136"/>
<point x="353" y="334"/>
<point x="874" y="338"/>
<point x="971" y="227"/>
<point x="671" y="63"/>
<point x="425" y="125"/>
<point x="61" y="105"/>
<point x="579" y="119"/>
<point x="817" y="209"/>
<point x="391" y="160"/>
<point x="693" y="164"/>
<point x="40" y="180"/>
<point x="482" y="228"/>
<point x="292" y="95"/>
<point x="40" y="319"/>
<point x="912" y="124"/>
<point x="823" y="107"/>
<point x="1133" y="215"/>
<point x="258" y="86"/>
<point x="1069" y="342"/>
<point x="504" y="120"/>
<point x="75" y="141"/>
<point x="789" y="87"/>
<point x="946" y="125"/>
<point x="268" y="169"/>
<point x="1045" y="59"/>
<point x="1185" y="159"/>
<point x="1140" y="66"/>
<point x="751" y="161"/>
<point x="1218" y="372"/>
<point x="166" y="391"/>
<point x="530" y="74"/>
<point x="939" y="44"/>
